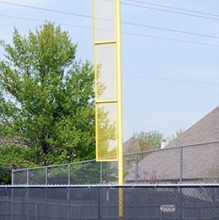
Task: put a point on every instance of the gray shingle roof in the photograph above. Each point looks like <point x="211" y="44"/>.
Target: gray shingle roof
<point x="199" y="162"/>
<point x="205" y="130"/>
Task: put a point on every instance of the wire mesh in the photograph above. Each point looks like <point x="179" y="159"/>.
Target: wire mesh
<point x="85" y="172"/>
<point x="153" y="166"/>
<point x="185" y="164"/>
<point x="37" y="176"/>
<point x="158" y="202"/>
<point x="106" y="149"/>
<point x="196" y="163"/>
<point x="58" y="174"/>
<point x="105" y="65"/>
<point x="200" y="163"/>
<point x="20" y="177"/>
<point x="105" y="20"/>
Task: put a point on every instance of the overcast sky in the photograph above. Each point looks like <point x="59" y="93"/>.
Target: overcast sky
<point x="170" y="54"/>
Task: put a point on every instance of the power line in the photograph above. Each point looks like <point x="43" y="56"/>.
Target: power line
<point x="172" y="30"/>
<point x="42" y="21"/>
<point x="46" y="9"/>
<point x="127" y="33"/>
<point x="170" y="39"/>
<point x="133" y="24"/>
<point x="181" y="9"/>
<point x="128" y="76"/>
<point x="173" y="80"/>
<point x="87" y="16"/>
<point x="127" y="23"/>
<point x="165" y="10"/>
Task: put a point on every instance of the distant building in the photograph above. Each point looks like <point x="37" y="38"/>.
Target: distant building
<point x="190" y="158"/>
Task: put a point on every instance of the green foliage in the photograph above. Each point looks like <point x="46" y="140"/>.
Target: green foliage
<point x="89" y="172"/>
<point x="12" y="157"/>
<point x="148" y="140"/>
<point x="50" y="112"/>
<point x="175" y="135"/>
<point x="5" y="176"/>
<point x="86" y="173"/>
<point x="142" y="141"/>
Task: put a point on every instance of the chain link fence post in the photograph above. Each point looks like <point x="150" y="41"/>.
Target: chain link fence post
<point x="136" y="168"/>
<point x="47" y="208"/>
<point x="69" y="207"/>
<point x="69" y="174"/>
<point x="27" y="199"/>
<point x="27" y="177"/>
<point x="181" y="165"/>
<point x="12" y="202"/>
<point x="170" y="201"/>
<point x="99" y="204"/>
<point x="12" y="177"/>
<point x="46" y="177"/>
<point x="101" y="172"/>
<point x="180" y="211"/>
<point x="136" y="204"/>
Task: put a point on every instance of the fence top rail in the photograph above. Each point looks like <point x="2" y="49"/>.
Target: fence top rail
<point x="54" y="165"/>
<point x="170" y="148"/>
<point x="116" y="186"/>
<point x="127" y="154"/>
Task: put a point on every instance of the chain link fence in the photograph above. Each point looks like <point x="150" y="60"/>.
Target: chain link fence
<point x="138" y="202"/>
<point x="196" y="163"/>
<point x="85" y="172"/>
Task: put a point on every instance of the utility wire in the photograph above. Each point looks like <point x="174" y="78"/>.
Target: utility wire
<point x="165" y="10"/>
<point x="175" y="8"/>
<point x="69" y="13"/>
<point x="170" y="39"/>
<point x="42" y="21"/>
<point x="172" y="30"/>
<point x="127" y="33"/>
<point x="173" y="80"/>
<point x="46" y="9"/>
<point x="142" y="35"/>
<point x="164" y="6"/>
<point x="142" y="2"/>
<point x="128" y="76"/>
<point x="127" y="23"/>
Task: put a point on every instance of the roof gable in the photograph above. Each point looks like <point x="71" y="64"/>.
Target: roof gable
<point x="198" y="162"/>
<point x="205" y="130"/>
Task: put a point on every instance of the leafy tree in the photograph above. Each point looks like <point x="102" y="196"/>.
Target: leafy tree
<point x="50" y="112"/>
<point x="146" y="141"/>
<point x="142" y="141"/>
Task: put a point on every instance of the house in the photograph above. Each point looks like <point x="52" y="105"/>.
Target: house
<point x="190" y="158"/>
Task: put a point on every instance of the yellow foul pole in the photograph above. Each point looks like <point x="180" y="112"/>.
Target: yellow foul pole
<point x="119" y="87"/>
<point x="119" y="103"/>
<point x="108" y="73"/>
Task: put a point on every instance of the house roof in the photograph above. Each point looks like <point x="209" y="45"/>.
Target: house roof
<point x="198" y="162"/>
<point x="126" y="145"/>
<point x="205" y="130"/>
<point x="130" y="142"/>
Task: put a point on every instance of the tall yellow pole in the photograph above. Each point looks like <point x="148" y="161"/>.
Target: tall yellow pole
<point x="103" y="43"/>
<point x="119" y="112"/>
<point x="119" y="87"/>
